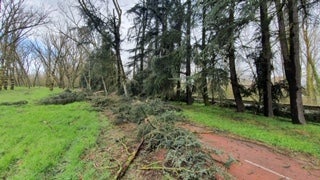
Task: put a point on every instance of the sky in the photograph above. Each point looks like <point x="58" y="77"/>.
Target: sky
<point x="52" y="6"/>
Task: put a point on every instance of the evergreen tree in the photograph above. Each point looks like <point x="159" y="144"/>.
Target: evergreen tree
<point x="225" y="36"/>
<point x="108" y="26"/>
<point x="158" y="27"/>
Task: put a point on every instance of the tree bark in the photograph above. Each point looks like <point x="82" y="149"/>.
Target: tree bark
<point x="266" y="60"/>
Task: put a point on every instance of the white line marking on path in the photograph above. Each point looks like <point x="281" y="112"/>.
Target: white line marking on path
<point x="266" y="169"/>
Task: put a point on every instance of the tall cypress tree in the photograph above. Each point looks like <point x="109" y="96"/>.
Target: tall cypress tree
<point x="226" y="27"/>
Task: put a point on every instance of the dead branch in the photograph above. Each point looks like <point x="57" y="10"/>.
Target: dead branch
<point x="125" y="146"/>
<point x="123" y="169"/>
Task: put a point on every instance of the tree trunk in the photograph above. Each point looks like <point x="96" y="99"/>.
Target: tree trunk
<point x="142" y="44"/>
<point x="234" y="81"/>
<point x="266" y="60"/>
<point x="291" y="59"/>
<point x="104" y="86"/>
<point x="204" y="73"/>
<point x="117" y="52"/>
<point x="12" y="79"/>
<point x="178" y="61"/>
<point x="6" y="78"/>
<point x="24" y="73"/>
<point x="188" y="55"/>
<point x="212" y="64"/>
<point x="233" y="74"/>
<point x="61" y="81"/>
<point x="1" y="77"/>
<point x="50" y="82"/>
<point x="36" y="77"/>
<point x="293" y="66"/>
<point x="315" y="75"/>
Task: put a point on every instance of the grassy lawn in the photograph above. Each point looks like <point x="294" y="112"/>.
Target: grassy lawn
<point x="45" y="142"/>
<point x="49" y="142"/>
<point x="278" y="132"/>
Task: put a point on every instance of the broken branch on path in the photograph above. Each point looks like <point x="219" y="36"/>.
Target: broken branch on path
<point x="123" y="169"/>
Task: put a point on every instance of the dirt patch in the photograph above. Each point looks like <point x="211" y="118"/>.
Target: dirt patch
<point x="254" y="160"/>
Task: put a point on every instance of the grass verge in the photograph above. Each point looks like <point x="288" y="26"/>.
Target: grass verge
<point x="45" y="142"/>
<point x="278" y="132"/>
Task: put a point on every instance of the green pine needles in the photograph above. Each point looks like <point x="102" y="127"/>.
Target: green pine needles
<point x="185" y="158"/>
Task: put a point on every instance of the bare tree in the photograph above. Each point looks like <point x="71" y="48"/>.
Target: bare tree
<point x="83" y="42"/>
<point x="45" y="53"/>
<point x="16" y="23"/>
<point x="61" y="58"/>
<point x="309" y="55"/>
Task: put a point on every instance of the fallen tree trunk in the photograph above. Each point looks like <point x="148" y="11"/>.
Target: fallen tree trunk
<point x="17" y="103"/>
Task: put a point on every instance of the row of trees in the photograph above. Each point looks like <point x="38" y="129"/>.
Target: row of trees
<point x="181" y="47"/>
<point x="162" y="37"/>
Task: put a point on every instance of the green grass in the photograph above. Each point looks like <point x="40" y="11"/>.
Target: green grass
<point x="22" y="93"/>
<point x="45" y="142"/>
<point x="278" y="132"/>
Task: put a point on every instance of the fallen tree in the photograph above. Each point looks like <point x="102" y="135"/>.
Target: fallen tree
<point x="63" y="98"/>
<point x="184" y="158"/>
<point x="16" y="103"/>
